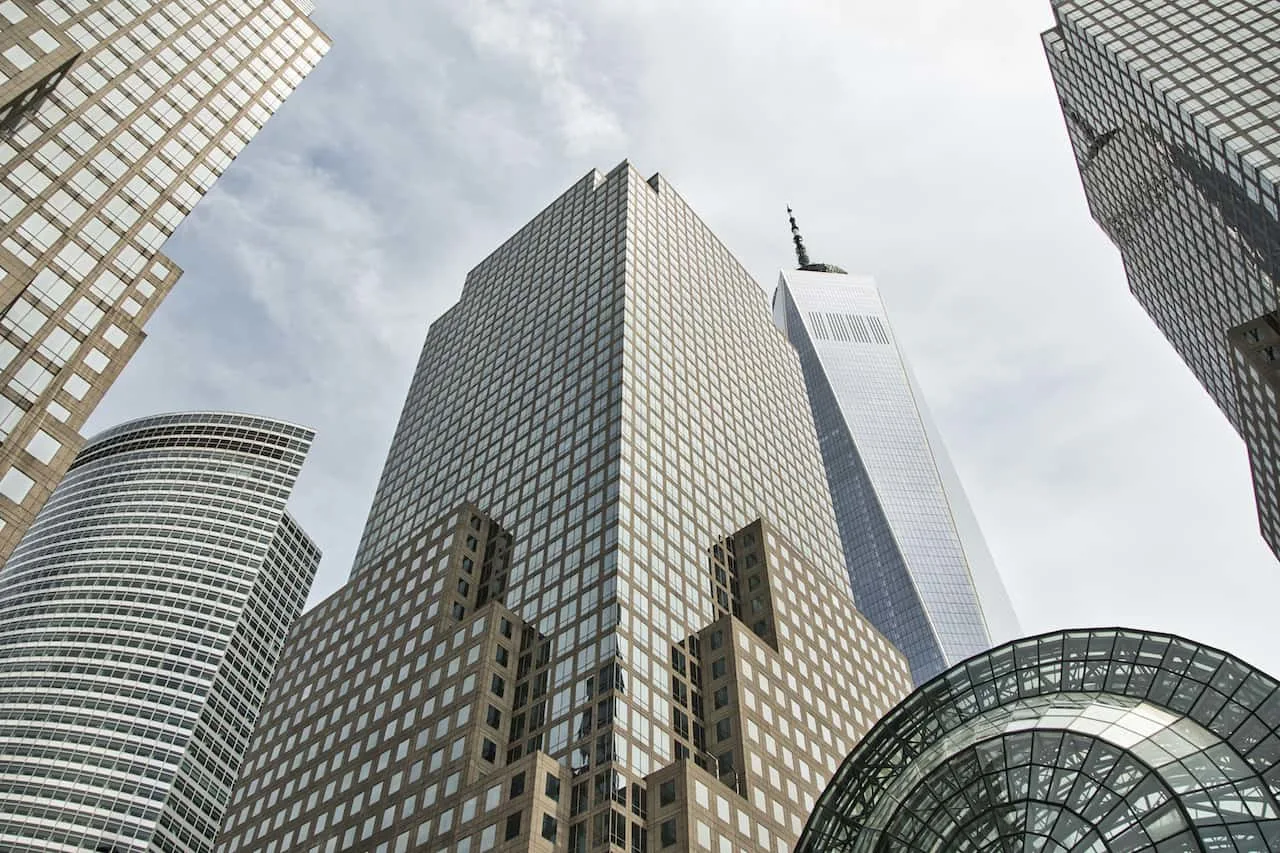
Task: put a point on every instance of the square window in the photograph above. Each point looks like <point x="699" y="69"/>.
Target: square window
<point x="96" y="360"/>
<point x="43" y="446"/>
<point x="115" y="336"/>
<point x="11" y="12"/>
<point x="667" y="792"/>
<point x="718" y="668"/>
<point x="517" y="785"/>
<point x="667" y="833"/>
<point x="553" y="787"/>
<point x="15" y="485"/>
<point x="19" y="57"/>
<point x="549" y="827"/>
<point x="513" y="826"/>
<point x="489" y="750"/>
<point x="44" y="41"/>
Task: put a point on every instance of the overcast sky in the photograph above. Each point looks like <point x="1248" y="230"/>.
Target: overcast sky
<point x="919" y="141"/>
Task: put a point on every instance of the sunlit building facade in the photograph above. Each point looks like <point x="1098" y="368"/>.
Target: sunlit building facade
<point x="917" y="562"/>
<point x="116" y="116"/>
<point x="600" y="602"/>
<point x="1173" y="112"/>
<point x="140" y="620"/>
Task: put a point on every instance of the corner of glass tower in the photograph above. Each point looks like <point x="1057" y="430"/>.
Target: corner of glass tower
<point x="602" y="560"/>
<point x="917" y="562"/>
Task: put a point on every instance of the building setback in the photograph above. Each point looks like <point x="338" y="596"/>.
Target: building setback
<point x="140" y="620"/>
<point x="599" y="602"/>
<point x="1173" y="111"/>
<point x="918" y="564"/>
<point x="116" y="116"/>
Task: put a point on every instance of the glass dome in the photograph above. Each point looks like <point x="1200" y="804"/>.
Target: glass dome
<point x="1101" y="740"/>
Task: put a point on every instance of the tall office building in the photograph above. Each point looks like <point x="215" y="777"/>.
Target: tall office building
<point x="116" y="116"/>
<point x="140" y="620"/>
<point x="917" y="562"/>
<point x="1173" y="111"/>
<point x="600" y="601"/>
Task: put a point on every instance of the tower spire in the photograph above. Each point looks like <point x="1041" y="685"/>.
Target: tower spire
<point x="801" y="254"/>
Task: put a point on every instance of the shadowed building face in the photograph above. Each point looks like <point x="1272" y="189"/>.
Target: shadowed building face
<point x="1173" y="111"/>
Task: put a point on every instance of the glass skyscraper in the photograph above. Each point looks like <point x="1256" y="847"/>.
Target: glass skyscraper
<point x="600" y="601"/>
<point x="116" y="116"/>
<point x="1173" y="112"/>
<point x="1073" y="742"/>
<point x="918" y="565"/>
<point x="140" y="620"/>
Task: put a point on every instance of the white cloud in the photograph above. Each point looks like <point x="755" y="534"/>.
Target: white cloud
<point x="919" y="142"/>
<point x="538" y="38"/>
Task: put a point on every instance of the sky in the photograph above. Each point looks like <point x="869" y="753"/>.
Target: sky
<point x="919" y="141"/>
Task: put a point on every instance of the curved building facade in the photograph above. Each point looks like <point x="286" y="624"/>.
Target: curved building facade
<point x="1104" y="740"/>
<point x="140" y="621"/>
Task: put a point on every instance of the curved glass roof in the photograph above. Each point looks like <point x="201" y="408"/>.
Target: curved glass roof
<point x="1103" y="740"/>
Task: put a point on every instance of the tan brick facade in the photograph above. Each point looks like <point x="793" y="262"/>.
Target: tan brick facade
<point x="115" y="119"/>
<point x="413" y="715"/>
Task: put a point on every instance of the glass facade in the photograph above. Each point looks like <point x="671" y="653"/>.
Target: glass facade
<point x="116" y="116"/>
<point x="918" y="572"/>
<point x="1073" y="741"/>
<point x="611" y="393"/>
<point x="1173" y="112"/>
<point x="140" y="620"/>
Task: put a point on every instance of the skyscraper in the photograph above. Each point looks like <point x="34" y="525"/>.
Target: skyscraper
<point x="1074" y="741"/>
<point x="140" y="619"/>
<point x="1173" y="111"/>
<point x="599" y="601"/>
<point x="116" y="116"/>
<point x="918" y="565"/>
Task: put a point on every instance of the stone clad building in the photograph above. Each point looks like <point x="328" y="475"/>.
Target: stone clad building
<point x="600" y="603"/>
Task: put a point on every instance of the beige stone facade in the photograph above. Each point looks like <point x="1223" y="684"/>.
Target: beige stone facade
<point x="35" y="54"/>
<point x="612" y="391"/>
<point x="116" y="116"/>
<point x="410" y="708"/>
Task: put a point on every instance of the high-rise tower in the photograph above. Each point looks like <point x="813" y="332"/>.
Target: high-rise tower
<point x="1173" y="111"/>
<point x="140" y="620"/>
<point x="917" y="562"/>
<point x="116" y="116"/>
<point x="600" y="600"/>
